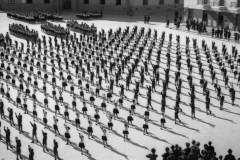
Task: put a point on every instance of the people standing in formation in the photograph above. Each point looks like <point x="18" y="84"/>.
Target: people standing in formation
<point x="55" y="30"/>
<point x="113" y="58"/>
<point x="20" y="31"/>
<point x="35" y="17"/>
<point x="83" y="27"/>
<point x="89" y="15"/>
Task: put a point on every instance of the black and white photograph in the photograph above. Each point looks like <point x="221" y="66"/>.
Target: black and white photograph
<point x="119" y="79"/>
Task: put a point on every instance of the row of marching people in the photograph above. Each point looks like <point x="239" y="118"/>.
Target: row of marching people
<point x="82" y="27"/>
<point x="54" y="30"/>
<point x="35" y="17"/>
<point x="88" y="15"/>
<point x="22" y="31"/>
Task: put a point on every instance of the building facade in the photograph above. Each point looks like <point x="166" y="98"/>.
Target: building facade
<point x="136" y="7"/>
<point x="215" y="13"/>
<point x="119" y="7"/>
<point x="29" y="5"/>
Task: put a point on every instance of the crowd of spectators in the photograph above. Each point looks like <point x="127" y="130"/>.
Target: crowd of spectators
<point x="193" y="152"/>
<point x="82" y="28"/>
<point x="22" y="31"/>
<point x="55" y="30"/>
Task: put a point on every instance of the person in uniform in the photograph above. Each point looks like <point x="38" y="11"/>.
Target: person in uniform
<point x="44" y="141"/>
<point x="125" y="131"/>
<point x="90" y="129"/>
<point x="145" y="127"/>
<point x="67" y="134"/>
<point x="104" y="137"/>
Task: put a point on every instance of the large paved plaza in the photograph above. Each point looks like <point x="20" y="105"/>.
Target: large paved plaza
<point x="222" y="128"/>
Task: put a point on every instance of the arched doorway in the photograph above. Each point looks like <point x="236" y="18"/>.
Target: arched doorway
<point x="66" y="4"/>
<point x="205" y="18"/>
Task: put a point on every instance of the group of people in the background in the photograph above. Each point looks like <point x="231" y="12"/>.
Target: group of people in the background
<point x="55" y="30"/>
<point x="216" y="32"/>
<point x="195" y="25"/>
<point x="30" y="17"/>
<point x="22" y="31"/>
<point x="88" y="14"/>
<point x="35" y="16"/>
<point x="146" y="18"/>
<point x="53" y="16"/>
<point x="225" y="34"/>
<point x="82" y="27"/>
<point x="177" y="21"/>
<point x="191" y="152"/>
